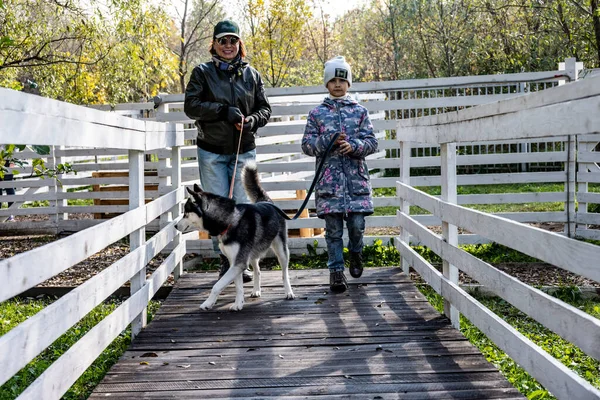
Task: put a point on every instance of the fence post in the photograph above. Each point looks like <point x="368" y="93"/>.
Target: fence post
<point x="137" y="238"/>
<point x="404" y="205"/>
<point x="175" y="184"/>
<point x="571" y="68"/>
<point x="582" y="186"/>
<point x="57" y="189"/>
<point x="449" y="231"/>
<point x="523" y="147"/>
<point x="571" y="185"/>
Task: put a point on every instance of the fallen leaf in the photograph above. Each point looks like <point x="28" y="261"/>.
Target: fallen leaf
<point x="144" y="363"/>
<point x="348" y="377"/>
<point x="280" y="356"/>
<point x="212" y="363"/>
<point x="184" y="365"/>
<point x="149" y="355"/>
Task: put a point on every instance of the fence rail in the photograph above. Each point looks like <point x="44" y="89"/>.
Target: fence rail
<point x="286" y="171"/>
<point x="28" y="119"/>
<point x="544" y="115"/>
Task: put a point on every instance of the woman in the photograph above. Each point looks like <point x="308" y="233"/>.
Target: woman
<point x="223" y="96"/>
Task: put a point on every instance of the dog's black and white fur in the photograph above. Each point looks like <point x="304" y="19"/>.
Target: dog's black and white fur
<point x="245" y="232"/>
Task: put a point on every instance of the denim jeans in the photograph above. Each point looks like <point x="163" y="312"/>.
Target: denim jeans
<point x="216" y="171"/>
<point x="334" y="229"/>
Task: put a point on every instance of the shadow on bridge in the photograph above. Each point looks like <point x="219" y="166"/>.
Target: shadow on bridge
<point x="381" y="339"/>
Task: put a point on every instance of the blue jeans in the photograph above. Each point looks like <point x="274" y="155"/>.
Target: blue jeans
<point x="334" y="229"/>
<point x="216" y="171"/>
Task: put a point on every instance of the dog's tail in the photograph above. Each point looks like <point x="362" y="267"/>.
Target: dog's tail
<point x="252" y="184"/>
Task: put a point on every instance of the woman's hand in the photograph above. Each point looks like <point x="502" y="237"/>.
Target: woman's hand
<point x="247" y="126"/>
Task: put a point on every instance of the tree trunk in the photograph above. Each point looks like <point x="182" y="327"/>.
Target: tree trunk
<point x="596" y="21"/>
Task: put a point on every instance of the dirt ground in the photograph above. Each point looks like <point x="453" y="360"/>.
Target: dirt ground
<point x="532" y="273"/>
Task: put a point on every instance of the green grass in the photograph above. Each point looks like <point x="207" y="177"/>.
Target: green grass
<point x="567" y="353"/>
<point x="16" y="311"/>
<point x="484" y="189"/>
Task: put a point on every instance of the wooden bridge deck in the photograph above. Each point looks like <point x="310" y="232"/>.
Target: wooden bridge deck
<point x="379" y="340"/>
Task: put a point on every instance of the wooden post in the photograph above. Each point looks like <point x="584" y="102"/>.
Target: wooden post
<point x="449" y="231"/>
<point x="572" y="69"/>
<point x="304" y="232"/>
<point x="404" y="205"/>
<point x="163" y="188"/>
<point x="582" y="186"/>
<point x="571" y="186"/>
<point x="137" y="238"/>
<point x="176" y="184"/>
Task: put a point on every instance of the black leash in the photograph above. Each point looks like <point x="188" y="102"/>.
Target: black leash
<point x="318" y="174"/>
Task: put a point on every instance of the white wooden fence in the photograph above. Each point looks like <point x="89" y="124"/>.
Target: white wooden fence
<point x="29" y="119"/>
<point x="571" y="110"/>
<point x="567" y="114"/>
<point x="285" y="171"/>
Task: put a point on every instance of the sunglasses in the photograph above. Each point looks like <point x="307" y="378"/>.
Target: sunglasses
<point x="232" y="40"/>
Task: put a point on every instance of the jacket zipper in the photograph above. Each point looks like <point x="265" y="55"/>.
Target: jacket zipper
<point x="343" y="158"/>
<point x="233" y="138"/>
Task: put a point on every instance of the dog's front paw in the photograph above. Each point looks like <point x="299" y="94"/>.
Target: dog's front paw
<point x="206" y="305"/>
<point x="236" y="307"/>
<point x="290" y="296"/>
<point x="255" y="293"/>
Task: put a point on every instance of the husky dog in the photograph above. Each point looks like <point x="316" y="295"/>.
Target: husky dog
<point x="245" y="232"/>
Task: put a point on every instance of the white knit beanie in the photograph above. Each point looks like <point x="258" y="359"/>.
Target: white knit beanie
<point x="337" y="67"/>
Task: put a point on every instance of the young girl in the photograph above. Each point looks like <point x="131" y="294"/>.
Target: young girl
<point x="344" y="190"/>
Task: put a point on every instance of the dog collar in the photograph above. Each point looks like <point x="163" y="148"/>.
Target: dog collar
<point x="225" y="231"/>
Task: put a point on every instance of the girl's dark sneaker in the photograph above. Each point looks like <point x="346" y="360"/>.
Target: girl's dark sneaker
<point x="356" y="265"/>
<point x="337" y="282"/>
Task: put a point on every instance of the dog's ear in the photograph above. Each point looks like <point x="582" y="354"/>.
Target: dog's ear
<point x="197" y="188"/>
<point x="190" y="191"/>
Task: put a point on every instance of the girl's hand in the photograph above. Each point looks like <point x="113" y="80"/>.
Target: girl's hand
<point x="345" y="147"/>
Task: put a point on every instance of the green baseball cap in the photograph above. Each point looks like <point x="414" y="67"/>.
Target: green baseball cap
<point x="226" y="28"/>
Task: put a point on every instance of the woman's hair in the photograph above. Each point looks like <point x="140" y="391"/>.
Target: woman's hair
<point x="241" y="52"/>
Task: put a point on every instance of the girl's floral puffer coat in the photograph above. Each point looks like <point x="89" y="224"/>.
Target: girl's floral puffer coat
<point x="345" y="185"/>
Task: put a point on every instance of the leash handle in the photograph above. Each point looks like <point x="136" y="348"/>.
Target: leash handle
<point x="237" y="154"/>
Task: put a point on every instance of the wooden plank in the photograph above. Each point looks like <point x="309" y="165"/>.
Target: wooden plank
<point x="574" y="256"/>
<point x="551" y="373"/>
<point x="556" y="95"/>
<point x="569" y="322"/>
<point x="25" y="271"/>
<point x="569" y="117"/>
<point x="278" y="366"/>
<point x="420" y="385"/>
<point x="425" y="83"/>
<point x="395" y="349"/>
<point x="24" y="342"/>
<point x="57" y="379"/>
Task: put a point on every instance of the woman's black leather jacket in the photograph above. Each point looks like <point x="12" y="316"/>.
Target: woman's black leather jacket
<point x="208" y="95"/>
